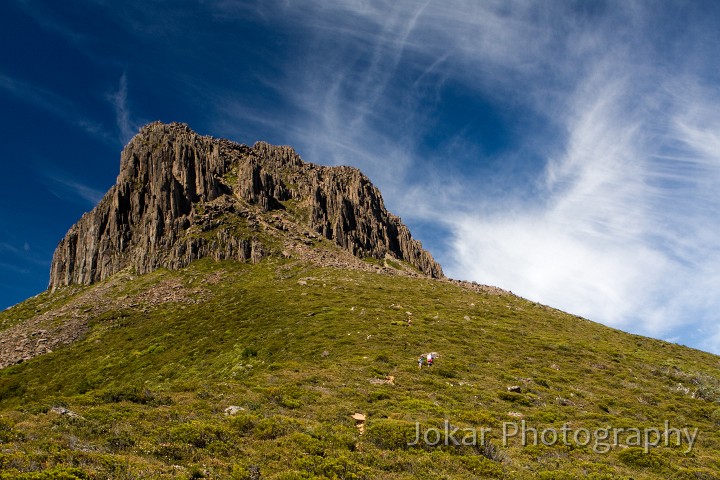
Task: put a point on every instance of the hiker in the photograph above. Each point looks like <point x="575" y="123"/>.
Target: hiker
<point x="429" y="359"/>
<point x="420" y="361"/>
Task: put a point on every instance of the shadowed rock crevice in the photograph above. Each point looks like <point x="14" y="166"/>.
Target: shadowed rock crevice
<point x="181" y="196"/>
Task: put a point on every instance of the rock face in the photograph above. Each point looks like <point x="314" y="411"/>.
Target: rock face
<point x="181" y="196"/>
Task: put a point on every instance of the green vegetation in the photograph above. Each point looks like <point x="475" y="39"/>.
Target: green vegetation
<point x="297" y="209"/>
<point x="234" y="225"/>
<point x="299" y="349"/>
<point x="231" y="177"/>
<point x="36" y="305"/>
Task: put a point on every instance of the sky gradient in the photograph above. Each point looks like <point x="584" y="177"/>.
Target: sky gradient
<point x="568" y="151"/>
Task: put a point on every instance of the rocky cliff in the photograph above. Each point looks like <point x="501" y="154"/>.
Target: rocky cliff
<point x="181" y="196"/>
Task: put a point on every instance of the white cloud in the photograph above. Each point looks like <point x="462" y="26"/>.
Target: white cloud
<point x="63" y="186"/>
<point x="580" y="246"/>
<point x="119" y="100"/>
<point x="624" y="232"/>
<point x="619" y="222"/>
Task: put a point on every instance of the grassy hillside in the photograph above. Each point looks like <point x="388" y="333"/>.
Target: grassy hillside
<point x="300" y="349"/>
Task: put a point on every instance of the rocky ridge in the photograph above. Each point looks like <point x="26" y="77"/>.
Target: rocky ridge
<point x="181" y="196"/>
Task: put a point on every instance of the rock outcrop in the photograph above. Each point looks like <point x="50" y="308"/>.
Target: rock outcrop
<point x="181" y="196"/>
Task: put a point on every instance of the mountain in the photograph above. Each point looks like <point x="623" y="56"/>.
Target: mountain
<point x="178" y="192"/>
<point x="233" y="312"/>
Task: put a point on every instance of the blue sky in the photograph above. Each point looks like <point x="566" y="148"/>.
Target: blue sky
<point x="567" y="151"/>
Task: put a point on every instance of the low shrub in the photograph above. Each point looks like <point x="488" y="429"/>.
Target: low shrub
<point x="556" y="475"/>
<point x="338" y="465"/>
<point x="137" y="395"/>
<point x="7" y="432"/>
<point x="199" y="434"/>
<point x="391" y="434"/>
<point x="55" y="473"/>
<point x="482" y="467"/>
<point x="271" y="428"/>
<point x="516" y="398"/>
<point x="637" y="457"/>
<point x="490" y="451"/>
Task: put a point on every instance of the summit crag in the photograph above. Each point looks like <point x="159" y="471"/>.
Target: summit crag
<point x="181" y="196"/>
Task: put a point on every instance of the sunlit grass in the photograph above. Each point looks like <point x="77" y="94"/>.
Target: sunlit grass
<point x="301" y="348"/>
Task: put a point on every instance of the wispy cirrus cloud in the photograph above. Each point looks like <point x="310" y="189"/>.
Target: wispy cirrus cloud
<point x="622" y="230"/>
<point x="119" y="101"/>
<point x="603" y="202"/>
<point x="65" y="187"/>
<point x="48" y="20"/>
<point x="51" y="102"/>
<point x="20" y="259"/>
<point x="567" y="151"/>
<point x="85" y="43"/>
